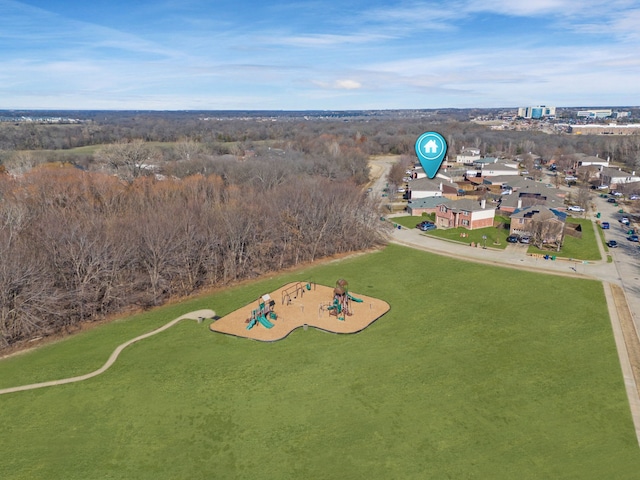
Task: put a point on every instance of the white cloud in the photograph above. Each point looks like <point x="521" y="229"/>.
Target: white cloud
<point x="344" y="84"/>
<point x="348" y="84"/>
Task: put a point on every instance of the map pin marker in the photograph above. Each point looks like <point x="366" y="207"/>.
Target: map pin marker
<point x="431" y="148"/>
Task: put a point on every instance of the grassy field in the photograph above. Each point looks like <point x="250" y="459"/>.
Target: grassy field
<point x="476" y="372"/>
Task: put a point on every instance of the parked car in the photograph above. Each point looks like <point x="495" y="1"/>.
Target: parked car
<point x="632" y="238"/>
<point x="612" y="244"/>
<point x="602" y="187"/>
<point x="427" y="226"/>
<point x="616" y="194"/>
<point x="525" y="239"/>
<point x="605" y="225"/>
<point x="575" y="208"/>
<point x="611" y="200"/>
<point x="512" y="239"/>
<point x="624" y="220"/>
<point x="634" y="197"/>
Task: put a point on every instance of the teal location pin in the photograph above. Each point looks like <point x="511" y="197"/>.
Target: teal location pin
<point x="431" y="148"/>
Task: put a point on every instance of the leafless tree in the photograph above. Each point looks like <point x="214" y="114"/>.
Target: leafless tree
<point x="129" y="159"/>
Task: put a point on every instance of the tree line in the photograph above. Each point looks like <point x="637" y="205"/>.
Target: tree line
<point x="369" y="135"/>
<point x="79" y="246"/>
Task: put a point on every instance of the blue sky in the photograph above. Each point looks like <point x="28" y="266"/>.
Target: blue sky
<point x="303" y="55"/>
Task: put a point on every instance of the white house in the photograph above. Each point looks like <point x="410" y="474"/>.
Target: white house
<point x="615" y="177"/>
<point x="492" y="167"/>
<point x="468" y="156"/>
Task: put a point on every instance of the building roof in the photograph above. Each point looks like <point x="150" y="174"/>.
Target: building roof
<point x="530" y="212"/>
<point x="426" y="202"/>
<point x="615" y="172"/>
<point x="425" y="183"/>
<point x="486" y="160"/>
<point x="528" y="188"/>
<point x="466" y="205"/>
<point x="430" y="184"/>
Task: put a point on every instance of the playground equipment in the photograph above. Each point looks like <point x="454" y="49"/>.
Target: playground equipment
<point x="295" y="291"/>
<point x="341" y="304"/>
<point x="263" y="314"/>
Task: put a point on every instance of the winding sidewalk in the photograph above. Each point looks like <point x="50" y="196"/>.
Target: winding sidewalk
<point x="114" y="356"/>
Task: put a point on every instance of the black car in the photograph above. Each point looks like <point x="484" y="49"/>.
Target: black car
<point x="512" y="239"/>
<point x="612" y="244"/>
<point x="611" y="200"/>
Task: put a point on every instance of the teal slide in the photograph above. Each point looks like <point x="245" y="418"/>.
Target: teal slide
<point x="251" y="324"/>
<point x="266" y="323"/>
<point x="354" y="299"/>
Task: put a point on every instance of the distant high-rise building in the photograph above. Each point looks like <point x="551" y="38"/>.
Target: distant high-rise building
<point x="537" y="112"/>
<point x="597" y="113"/>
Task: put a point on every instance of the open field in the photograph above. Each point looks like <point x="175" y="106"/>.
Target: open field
<point x="475" y="372"/>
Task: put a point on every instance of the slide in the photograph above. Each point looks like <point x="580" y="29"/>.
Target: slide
<point x="251" y="324"/>
<point x="354" y="299"/>
<point x="266" y="323"/>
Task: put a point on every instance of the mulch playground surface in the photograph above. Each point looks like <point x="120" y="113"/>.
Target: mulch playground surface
<point x="300" y="304"/>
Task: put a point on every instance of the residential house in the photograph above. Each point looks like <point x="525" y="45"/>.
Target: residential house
<point x="426" y="187"/>
<point x="416" y="207"/>
<point x="616" y="177"/>
<point x="466" y="213"/>
<point x="468" y="155"/>
<point x="545" y="225"/>
<point x="527" y="193"/>
<point x="492" y="167"/>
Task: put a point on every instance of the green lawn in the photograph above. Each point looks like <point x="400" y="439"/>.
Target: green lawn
<point x="496" y="237"/>
<point x="476" y="372"/>
<point x="584" y="248"/>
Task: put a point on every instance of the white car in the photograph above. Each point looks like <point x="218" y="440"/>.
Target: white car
<point x="575" y="208"/>
<point x="617" y="194"/>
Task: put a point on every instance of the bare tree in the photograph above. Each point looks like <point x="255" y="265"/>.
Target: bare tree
<point x="129" y="159"/>
<point x="546" y="229"/>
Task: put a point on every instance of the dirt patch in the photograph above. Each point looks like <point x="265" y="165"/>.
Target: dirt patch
<point x="298" y="305"/>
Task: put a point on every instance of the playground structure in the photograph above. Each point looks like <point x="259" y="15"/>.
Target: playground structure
<point x="263" y="314"/>
<point x="341" y="305"/>
<point x="296" y="290"/>
<point x="298" y="311"/>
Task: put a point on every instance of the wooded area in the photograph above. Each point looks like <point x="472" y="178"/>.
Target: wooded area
<point x="132" y="223"/>
<point x="79" y="246"/>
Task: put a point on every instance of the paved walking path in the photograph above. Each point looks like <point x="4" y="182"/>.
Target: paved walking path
<point x="114" y="356"/>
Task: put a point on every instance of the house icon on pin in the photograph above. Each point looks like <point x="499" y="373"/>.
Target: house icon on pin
<point x="431" y="147"/>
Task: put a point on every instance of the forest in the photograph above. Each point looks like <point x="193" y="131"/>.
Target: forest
<point x="129" y="211"/>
